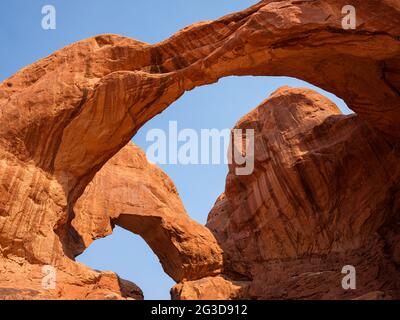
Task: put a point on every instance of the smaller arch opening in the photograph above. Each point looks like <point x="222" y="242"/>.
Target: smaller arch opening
<point x="131" y="258"/>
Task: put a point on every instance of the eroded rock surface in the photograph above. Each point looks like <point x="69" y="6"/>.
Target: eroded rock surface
<point x="22" y="280"/>
<point x="210" y="288"/>
<point x="138" y="196"/>
<point x="66" y="115"/>
<point x="323" y="195"/>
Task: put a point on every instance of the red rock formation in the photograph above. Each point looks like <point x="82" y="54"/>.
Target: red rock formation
<point x="324" y="192"/>
<point x="20" y="280"/>
<point x="138" y="196"/>
<point x="209" y="288"/>
<point x="66" y="115"/>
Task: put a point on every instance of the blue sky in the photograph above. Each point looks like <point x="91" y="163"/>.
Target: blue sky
<point x="216" y="106"/>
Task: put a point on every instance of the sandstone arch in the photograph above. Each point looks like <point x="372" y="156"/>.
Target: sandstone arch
<point x="138" y="196"/>
<point x="69" y="113"/>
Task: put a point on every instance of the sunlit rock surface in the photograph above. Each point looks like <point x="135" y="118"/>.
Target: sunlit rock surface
<point x="66" y="115"/>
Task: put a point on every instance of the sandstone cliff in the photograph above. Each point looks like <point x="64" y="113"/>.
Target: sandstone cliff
<point x="325" y="193"/>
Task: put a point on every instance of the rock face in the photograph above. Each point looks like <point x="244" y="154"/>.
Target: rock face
<point x="65" y="116"/>
<point x="209" y="288"/>
<point x="323" y="195"/>
<point x="138" y="196"/>
<point x="21" y="280"/>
